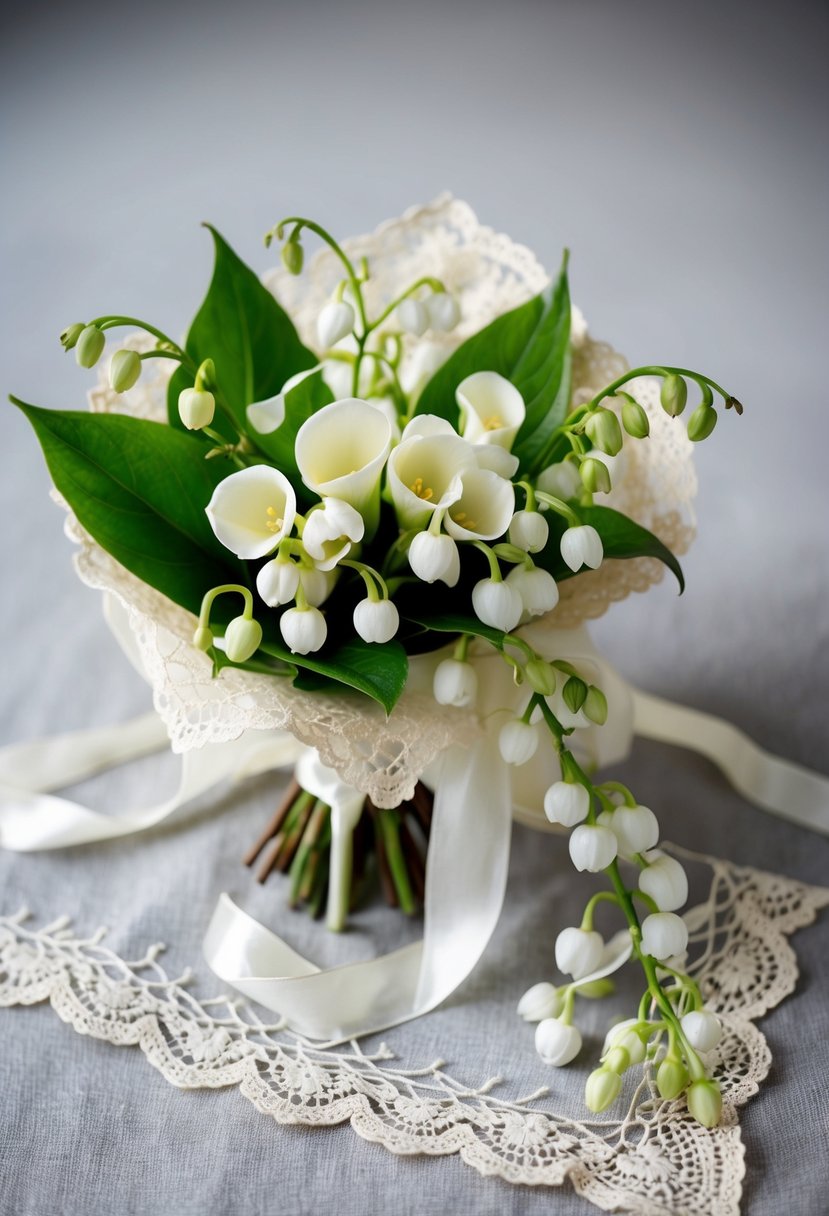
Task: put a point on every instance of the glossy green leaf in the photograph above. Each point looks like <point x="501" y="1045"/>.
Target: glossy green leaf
<point x="378" y="670"/>
<point x="450" y="622"/>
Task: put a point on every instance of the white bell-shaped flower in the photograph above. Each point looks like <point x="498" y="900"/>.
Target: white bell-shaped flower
<point x="444" y="312"/>
<point x="497" y="604"/>
<point x="664" y="880"/>
<point x="567" y="803"/>
<point x="702" y="1029"/>
<point x="623" y="1035"/>
<point x="341" y="451"/>
<point x="330" y="531"/>
<point x="424" y="474"/>
<point x="316" y="584"/>
<point x="592" y="847"/>
<point x="664" y="934"/>
<point x="561" y="481"/>
<point x="517" y="741"/>
<point x="578" y="951"/>
<point x="455" y="683"/>
<point x="541" y="1001"/>
<point x="582" y="546"/>
<point x="412" y="317"/>
<point x="557" y="1043"/>
<point x="435" y="558"/>
<point x="335" y="321"/>
<point x="537" y="588"/>
<point x="303" y="629"/>
<point x="376" y="620"/>
<point x="242" y="639"/>
<point x="529" y="530"/>
<point x="491" y="407"/>
<point x="196" y="408"/>
<point x="636" y="828"/>
<point x="484" y="508"/>
<point x="252" y="510"/>
<point x="277" y="581"/>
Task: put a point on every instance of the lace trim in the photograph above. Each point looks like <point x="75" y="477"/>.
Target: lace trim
<point x="654" y="1160"/>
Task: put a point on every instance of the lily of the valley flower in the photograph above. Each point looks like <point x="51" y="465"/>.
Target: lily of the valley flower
<point x="541" y="1001"/>
<point x="592" y="847"/>
<point x="484" y="508"/>
<point x="702" y="1029"/>
<point x="304" y="629"/>
<point x="330" y="531"/>
<point x="124" y="370"/>
<point x="529" y="530"/>
<point x="664" y="934"/>
<point x="492" y="409"/>
<point x="455" y="683"/>
<point x="517" y="741"/>
<point x="537" y="588"/>
<point x="435" y="558"/>
<point x="556" y="1042"/>
<point x="196" y="408"/>
<point x="636" y="828"/>
<point x="582" y="546"/>
<point x="705" y="1102"/>
<point x="335" y="321"/>
<point x="341" y="450"/>
<point x="376" y="620"/>
<point x="242" y="638"/>
<point x="567" y="803"/>
<point x="578" y="951"/>
<point x="561" y="480"/>
<point x="624" y="1035"/>
<point x="412" y="317"/>
<point x="424" y="473"/>
<point x="316" y="584"/>
<point x="664" y="881"/>
<point x="497" y="604"/>
<point x="252" y="510"/>
<point x="277" y="581"/>
<point x="444" y="311"/>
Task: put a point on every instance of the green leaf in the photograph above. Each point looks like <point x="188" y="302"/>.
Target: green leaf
<point x="450" y="622"/>
<point x="621" y="538"/>
<point x="249" y="337"/>
<point x="303" y="400"/>
<point x="378" y="670"/>
<point x="140" y="489"/>
<point x="530" y="346"/>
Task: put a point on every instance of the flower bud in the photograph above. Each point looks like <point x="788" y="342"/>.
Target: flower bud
<point x="574" y="693"/>
<point x="702" y="1029"/>
<point x="702" y="422"/>
<point x="277" y="581"/>
<point x="592" y="848"/>
<point x="444" y="312"/>
<point x="376" y="620"/>
<point x="664" y="881"/>
<point x="664" y="934"/>
<point x="529" y="531"/>
<point x="671" y="1078"/>
<point x="536" y="587"/>
<point x="561" y="480"/>
<point x="557" y="1043"/>
<point x="625" y="1036"/>
<point x="618" y="1060"/>
<point x="304" y="629"/>
<point x="518" y="741"/>
<point x="578" y="951"/>
<point x="603" y="431"/>
<point x="242" y="638"/>
<point x="70" y="335"/>
<point x="203" y="638"/>
<point x="582" y="546"/>
<point x="635" y="420"/>
<point x="595" y="475"/>
<point x="89" y="346"/>
<point x="497" y="603"/>
<point x="673" y="395"/>
<point x="124" y="370"/>
<point x="602" y="1089"/>
<point x="636" y="828"/>
<point x="567" y="803"/>
<point x="196" y="408"/>
<point x="705" y="1102"/>
<point x="435" y="558"/>
<point x="412" y="317"/>
<point x="541" y="1001"/>
<point x="455" y="683"/>
<point x="595" y="705"/>
<point x="541" y="677"/>
<point x="336" y="319"/>
<point x="293" y="256"/>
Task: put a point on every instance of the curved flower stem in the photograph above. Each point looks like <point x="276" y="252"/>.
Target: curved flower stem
<point x="111" y="322"/>
<point x="655" y="370"/>
<point x="353" y="278"/>
<point x="426" y="281"/>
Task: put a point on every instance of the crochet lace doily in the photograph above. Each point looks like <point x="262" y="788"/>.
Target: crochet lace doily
<point x="653" y="1159"/>
<point x="491" y="274"/>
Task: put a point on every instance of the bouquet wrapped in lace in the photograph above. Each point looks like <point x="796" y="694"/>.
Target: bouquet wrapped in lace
<point x="371" y="503"/>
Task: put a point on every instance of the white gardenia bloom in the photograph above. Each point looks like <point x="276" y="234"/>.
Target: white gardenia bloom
<point x="702" y="1029"/>
<point x="412" y="317"/>
<point x="566" y="802"/>
<point x="636" y="828"/>
<point x="444" y="312"/>
<point x="582" y="546"/>
<point x="561" y="481"/>
<point x="537" y="588"/>
<point x="517" y="741"/>
<point x="484" y="509"/>
<point x="330" y="531"/>
<point x="376" y="620"/>
<point x="277" y="581"/>
<point x="340" y="452"/>
<point x="664" y="934"/>
<point x="455" y="683"/>
<point x="252" y="510"/>
<point x="578" y="951"/>
<point x="664" y="881"/>
<point x="335" y="321"/>
<point x="492" y="409"/>
<point x="541" y="1001"/>
<point x="622" y="1035"/>
<point x="592" y="847"/>
<point x="556" y="1043"/>
<point x="529" y="531"/>
<point x="424" y="473"/>
<point x="304" y="629"/>
<point x="435" y="558"/>
<point x="316" y="584"/>
<point x="497" y="604"/>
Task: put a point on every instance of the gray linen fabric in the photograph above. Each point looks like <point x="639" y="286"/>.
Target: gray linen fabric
<point x="677" y="153"/>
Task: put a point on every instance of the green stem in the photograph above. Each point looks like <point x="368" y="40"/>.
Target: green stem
<point x="302" y="222"/>
<point x="426" y="281"/>
<point x="653" y="370"/>
<point x="110" y="322"/>
<point x="397" y="862"/>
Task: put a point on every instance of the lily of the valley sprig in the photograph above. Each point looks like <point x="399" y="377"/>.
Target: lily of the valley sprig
<point x="361" y="520"/>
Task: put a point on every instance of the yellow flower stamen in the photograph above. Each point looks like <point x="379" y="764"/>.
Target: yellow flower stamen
<point x="273" y="522"/>
<point x="493" y="423"/>
<point x="417" y="488"/>
<point x="460" y="518"/>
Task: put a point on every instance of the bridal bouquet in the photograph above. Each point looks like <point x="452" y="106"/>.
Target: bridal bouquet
<point x="397" y="492"/>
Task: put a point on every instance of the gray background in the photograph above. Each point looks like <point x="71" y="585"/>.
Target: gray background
<point x="680" y="152"/>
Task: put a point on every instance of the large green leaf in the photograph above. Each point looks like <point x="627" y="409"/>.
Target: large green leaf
<point x="530" y="346"/>
<point x="621" y="538"/>
<point x="249" y="337"/>
<point x="140" y="489"/>
<point x="450" y="622"/>
<point x="378" y="670"/>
